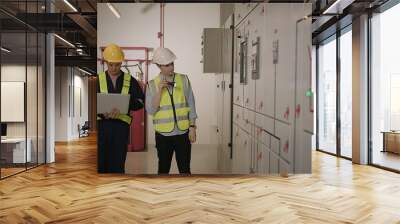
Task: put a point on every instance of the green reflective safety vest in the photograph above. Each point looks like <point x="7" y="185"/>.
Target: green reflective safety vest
<point x="170" y="112"/>
<point x="125" y="91"/>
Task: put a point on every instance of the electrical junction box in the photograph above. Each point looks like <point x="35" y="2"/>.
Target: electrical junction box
<point x="212" y="50"/>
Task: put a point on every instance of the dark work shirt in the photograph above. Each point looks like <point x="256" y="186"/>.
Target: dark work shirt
<point x="136" y="92"/>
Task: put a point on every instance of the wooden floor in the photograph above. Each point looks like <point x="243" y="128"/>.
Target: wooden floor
<point x="387" y="159"/>
<point x="70" y="191"/>
<point x="5" y="172"/>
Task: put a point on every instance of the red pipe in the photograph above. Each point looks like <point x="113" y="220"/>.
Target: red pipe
<point x="128" y="48"/>
<point x="161" y="33"/>
<point x="146" y="49"/>
<point x="127" y="60"/>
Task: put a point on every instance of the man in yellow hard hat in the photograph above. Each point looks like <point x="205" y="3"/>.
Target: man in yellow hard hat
<point x="113" y="127"/>
<point x="170" y="100"/>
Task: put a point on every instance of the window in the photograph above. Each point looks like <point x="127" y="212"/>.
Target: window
<point x="346" y="93"/>
<point x="385" y="89"/>
<point x="334" y="94"/>
<point x="327" y="96"/>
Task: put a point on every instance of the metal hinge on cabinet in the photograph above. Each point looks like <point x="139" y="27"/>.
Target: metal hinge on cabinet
<point x="255" y="59"/>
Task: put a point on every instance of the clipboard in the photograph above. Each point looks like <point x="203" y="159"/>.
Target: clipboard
<point x="106" y="102"/>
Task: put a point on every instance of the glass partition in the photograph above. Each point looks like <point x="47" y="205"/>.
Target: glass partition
<point x="327" y="96"/>
<point x="22" y="100"/>
<point x="13" y="100"/>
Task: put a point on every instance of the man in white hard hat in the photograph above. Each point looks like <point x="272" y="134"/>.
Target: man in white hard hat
<point x="113" y="127"/>
<point x="170" y="100"/>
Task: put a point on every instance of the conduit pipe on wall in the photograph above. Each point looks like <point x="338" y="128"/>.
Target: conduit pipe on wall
<point x="161" y="33"/>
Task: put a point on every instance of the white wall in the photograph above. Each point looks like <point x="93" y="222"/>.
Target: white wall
<point x="17" y="73"/>
<point x="61" y="103"/>
<point x="68" y="82"/>
<point x="184" y="23"/>
<point x="34" y="124"/>
<point x="79" y="117"/>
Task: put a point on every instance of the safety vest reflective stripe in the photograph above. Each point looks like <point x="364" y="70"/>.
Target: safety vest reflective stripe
<point x="103" y="82"/>
<point x="177" y="106"/>
<point x="168" y="120"/>
<point x="123" y="117"/>
<point x="164" y="118"/>
<point x="166" y="113"/>
<point x="125" y="91"/>
<point x="126" y="84"/>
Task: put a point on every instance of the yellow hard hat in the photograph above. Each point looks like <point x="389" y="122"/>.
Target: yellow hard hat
<point x="113" y="53"/>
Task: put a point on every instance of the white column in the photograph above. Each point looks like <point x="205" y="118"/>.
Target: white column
<point x="360" y="90"/>
<point x="50" y="94"/>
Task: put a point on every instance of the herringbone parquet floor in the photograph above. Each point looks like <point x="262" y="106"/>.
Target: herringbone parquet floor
<point x="70" y="191"/>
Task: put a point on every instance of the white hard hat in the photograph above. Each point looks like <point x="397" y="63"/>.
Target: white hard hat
<point x="163" y="56"/>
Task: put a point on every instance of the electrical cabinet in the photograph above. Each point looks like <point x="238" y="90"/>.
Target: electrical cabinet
<point x="242" y="10"/>
<point x="219" y="103"/>
<point x="249" y="117"/>
<point x="272" y="112"/>
<point x="239" y="76"/>
<point x="304" y="97"/>
<point x="273" y="163"/>
<point x="253" y="152"/>
<point x="262" y="159"/>
<point x="238" y="115"/>
<point x="284" y="132"/>
<point x="283" y="51"/>
<point x="249" y="85"/>
<point x="284" y="167"/>
<point x="224" y="99"/>
<point x="265" y="85"/>
<point x="263" y="126"/>
<point x="236" y="145"/>
<point x="241" y="153"/>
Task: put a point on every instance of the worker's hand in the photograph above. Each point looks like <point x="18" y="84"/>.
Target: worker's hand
<point x="106" y="115"/>
<point x="163" y="84"/>
<point x="192" y="134"/>
<point x="114" y="113"/>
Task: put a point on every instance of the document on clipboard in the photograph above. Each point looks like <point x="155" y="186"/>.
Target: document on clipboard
<point x="106" y="102"/>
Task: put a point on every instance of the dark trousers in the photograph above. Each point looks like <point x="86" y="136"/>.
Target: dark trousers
<point x="112" y="146"/>
<point x="166" y="145"/>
